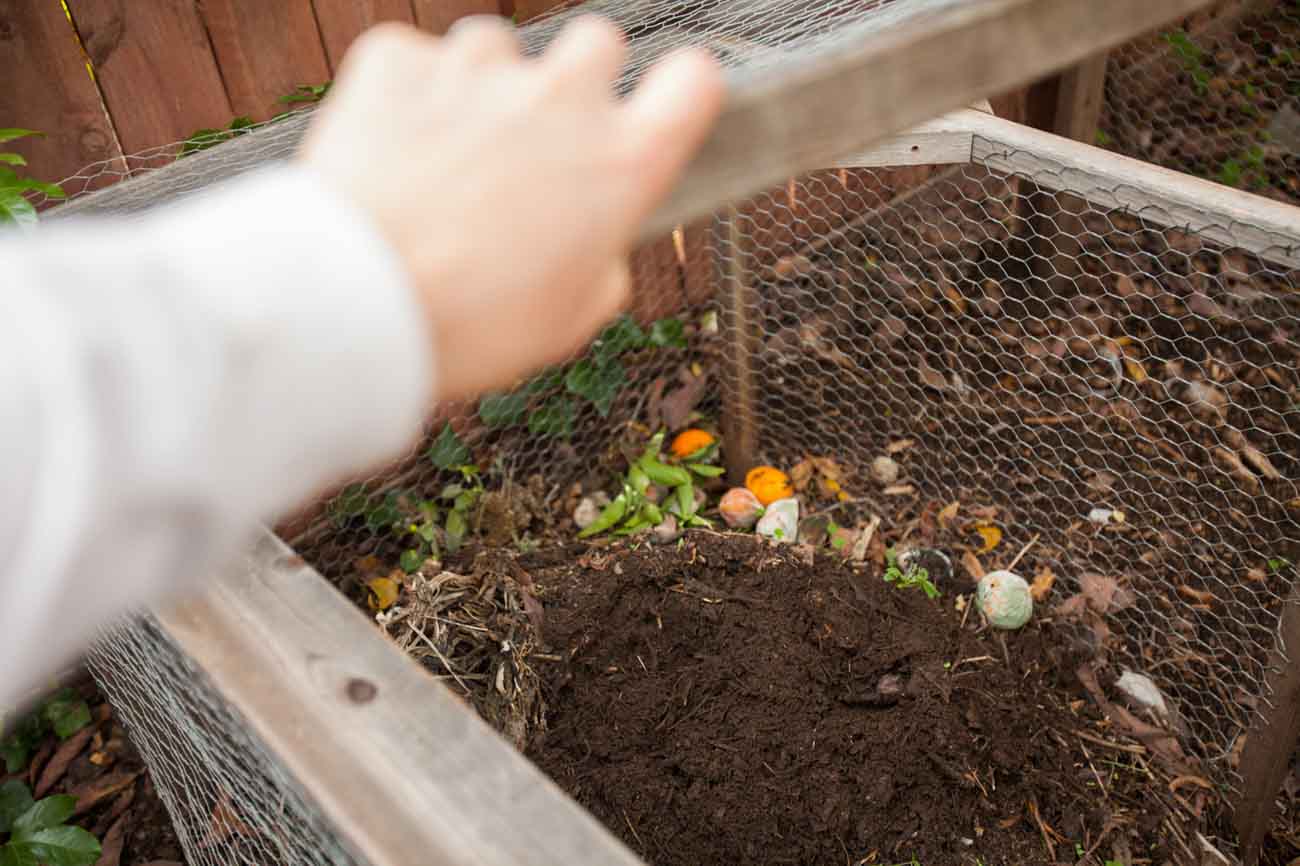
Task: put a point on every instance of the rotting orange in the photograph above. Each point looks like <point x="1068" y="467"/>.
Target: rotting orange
<point x="690" y="441"/>
<point x="769" y="484"/>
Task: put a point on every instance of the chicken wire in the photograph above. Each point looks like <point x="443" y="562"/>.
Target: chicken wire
<point x="1048" y="354"/>
<point x="1219" y="99"/>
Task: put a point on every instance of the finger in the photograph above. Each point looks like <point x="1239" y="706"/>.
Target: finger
<point x="669" y="115"/>
<point x="477" y="39"/>
<point x="588" y="52"/>
<point x="607" y="298"/>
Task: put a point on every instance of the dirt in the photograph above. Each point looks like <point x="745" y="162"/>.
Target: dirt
<point x="116" y="798"/>
<point x="725" y="701"/>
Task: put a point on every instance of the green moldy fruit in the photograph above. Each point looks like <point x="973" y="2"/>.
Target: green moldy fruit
<point x="1004" y="599"/>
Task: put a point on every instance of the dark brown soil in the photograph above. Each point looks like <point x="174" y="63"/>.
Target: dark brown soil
<point x="723" y="701"/>
<point x="116" y="799"/>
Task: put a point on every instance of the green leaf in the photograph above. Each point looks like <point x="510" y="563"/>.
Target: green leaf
<point x="599" y="383"/>
<point x="668" y="332"/>
<point x="448" y="451"/>
<point x="49" y="812"/>
<point x="67" y="714"/>
<point x="456" y="525"/>
<point x="351" y="502"/>
<point x="503" y="410"/>
<point x="555" y="418"/>
<point x="16" y="210"/>
<point x="384" y="514"/>
<point x="411" y="560"/>
<point x="15" y="799"/>
<point x="15" y="751"/>
<point x="705" y="469"/>
<point x="62" y="846"/>
<point x="622" y="335"/>
<point x="12" y="855"/>
<point x="12" y="159"/>
<point x="13" y="134"/>
<point x="549" y="379"/>
<point x="53" y="190"/>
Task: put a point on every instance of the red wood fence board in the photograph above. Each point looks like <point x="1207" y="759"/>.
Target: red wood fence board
<point x="265" y="50"/>
<point x="155" y="69"/>
<point x="46" y="87"/>
<point x="437" y="16"/>
<point x="341" y="21"/>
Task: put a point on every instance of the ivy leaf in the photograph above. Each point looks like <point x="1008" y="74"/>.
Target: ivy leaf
<point x="456" y="527"/>
<point x="12" y="134"/>
<point x="503" y="410"/>
<point x="61" y="846"/>
<point x="411" y="560"/>
<point x="448" y="451"/>
<point x="599" y="383"/>
<point x="350" y="503"/>
<point x="385" y="514"/>
<point x="620" y="336"/>
<point x="16" y="209"/>
<point x="67" y="714"/>
<point x="668" y="332"/>
<point x="12" y="855"/>
<point x="555" y="418"/>
<point x="15" y="799"/>
<point x="49" y="812"/>
<point x="548" y="380"/>
<point x="12" y="159"/>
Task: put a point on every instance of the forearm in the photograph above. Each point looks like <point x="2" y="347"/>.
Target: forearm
<point x="167" y="383"/>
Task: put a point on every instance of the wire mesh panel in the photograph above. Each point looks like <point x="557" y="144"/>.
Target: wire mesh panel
<point x="1220" y="100"/>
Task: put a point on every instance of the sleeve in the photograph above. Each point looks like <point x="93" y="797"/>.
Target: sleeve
<point x="170" y="381"/>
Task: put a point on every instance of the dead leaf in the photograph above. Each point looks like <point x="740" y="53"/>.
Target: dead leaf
<point x="1042" y="584"/>
<point x="992" y="536"/>
<point x="224" y="823"/>
<point x="369" y="566"/>
<point x="94" y="792"/>
<point x="1136" y="371"/>
<point x="1257" y="575"/>
<point x="382" y="593"/>
<point x="899" y="490"/>
<point x="948" y="513"/>
<point x="1199" y="596"/>
<point x="66" y="753"/>
<point x="1072" y="607"/>
<point x="899" y="445"/>
<point x="983" y="513"/>
<point x="973" y="565"/>
<point x="931" y="377"/>
<point x="800" y="474"/>
<point x="1260" y="462"/>
<point x="111" y="848"/>
<point x="121" y="804"/>
<point x="954" y="297"/>
<point x="1104" y="593"/>
<point x="674" y="409"/>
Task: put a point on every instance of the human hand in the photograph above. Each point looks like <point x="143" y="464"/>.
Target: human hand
<point x="512" y="188"/>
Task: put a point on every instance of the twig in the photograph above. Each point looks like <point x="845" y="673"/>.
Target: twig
<point x="1096" y="775"/>
<point x="1023" y="551"/>
<point x="633" y="829"/>
<point x="1044" y="828"/>
<point x="1122" y="747"/>
<point x="869" y="532"/>
<point x="442" y="658"/>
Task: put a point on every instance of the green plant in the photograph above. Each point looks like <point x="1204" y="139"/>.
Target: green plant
<point x="64" y="713"/>
<point x="36" y="830"/>
<point x="913" y="577"/>
<point x="633" y="509"/>
<point x="1277" y="563"/>
<point x="597" y="378"/>
<point x="1102" y="138"/>
<point x="306" y="93"/>
<point x="202" y="139"/>
<point x="15" y="208"/>
<point x="1192" y="57"/>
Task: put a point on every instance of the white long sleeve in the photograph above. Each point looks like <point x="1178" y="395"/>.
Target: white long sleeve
<point x="169" y="382"/>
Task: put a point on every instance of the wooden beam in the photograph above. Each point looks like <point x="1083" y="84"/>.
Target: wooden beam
<point x="403" y="770"/>
<point x="342" y="21"/>
<point x="863" y="90"/>
<point x="1081" y="91"/>
<point x="47" y="87"/>
<point x="155" y="67"/>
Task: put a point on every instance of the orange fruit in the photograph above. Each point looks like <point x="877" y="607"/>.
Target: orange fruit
<point x="740" y="507"/>
<point x="690" y="441"/>
<point x="769" y="484"/>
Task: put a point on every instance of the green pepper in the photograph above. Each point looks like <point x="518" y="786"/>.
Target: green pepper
<point x="612" y="514"/>
<point x="668" y="476"/>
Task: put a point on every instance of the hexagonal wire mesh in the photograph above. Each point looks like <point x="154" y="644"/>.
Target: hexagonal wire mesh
<point x="1219" y="99"/>
<point x="1047" y="354"/>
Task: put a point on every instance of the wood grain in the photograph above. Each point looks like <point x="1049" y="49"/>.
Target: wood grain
<point x="437" y="16"/>
<point x="403" y="770"/>
<point x="889" y="82"/>
<point x="1081" y="91"/>
<point x="342" y="21"/>
<point x="47" y="87"/>
<point x="265" y="50"/>
<point x="155" y="67"/>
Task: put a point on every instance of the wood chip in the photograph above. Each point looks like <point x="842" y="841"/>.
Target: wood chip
<point x="899" y="445"/>
<point x="1256" y="458"/>
<point x="1200" y="596"/>
<point x="899" y="490"/>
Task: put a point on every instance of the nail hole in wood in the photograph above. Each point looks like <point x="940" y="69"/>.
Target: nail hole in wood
<point x="361" y="691"/>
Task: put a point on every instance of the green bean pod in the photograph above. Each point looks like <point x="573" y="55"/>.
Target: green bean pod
<point x="612" y="514"/>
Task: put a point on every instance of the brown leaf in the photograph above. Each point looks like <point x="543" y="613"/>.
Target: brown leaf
<point x="1102" y="481"/>
<point x="224" y="823"/>
<point x="1042" y="584"/>
<point x="91" y="794"/>
<point x="932" y="378"/>
<point x="66" y="753"/>
<point x="992" y="536"/>
<point x="1104" y="593"/>
<point x="899" y="490"/>
<point x="1199" y="596"/>
<point x="948" y="513"/>
<point x="973" y="565"/>
<point x="121" y="804"/>
<point x="1257" y="575"/>
<point x="111" y="847"/>
<point x="38" y="760"/>
<point x="899" y="445"/>
<point x="1260" y="462"/>
<point x="800" y="474"/>
<point x="675" y="408"/>
<point x="382" y="593"/>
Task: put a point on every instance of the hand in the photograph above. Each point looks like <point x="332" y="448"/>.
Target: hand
<point x="512" y="188"/>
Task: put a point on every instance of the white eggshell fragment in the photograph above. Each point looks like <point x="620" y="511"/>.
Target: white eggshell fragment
<point x="885" y="470"/>
<point x="1004" y="599"/>
<point x="780" y="521"/>
<point x="1143" y="692"/>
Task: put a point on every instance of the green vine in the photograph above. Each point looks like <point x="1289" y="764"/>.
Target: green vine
<point x="15" y="208"/>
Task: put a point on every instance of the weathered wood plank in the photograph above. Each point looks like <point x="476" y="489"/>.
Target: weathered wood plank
<point x="265" y="50"/>
<point x="1081" y="90"/>
<point x="870" y="89"/>
<point x="401" y="768"/>
<point x="342" y="21"/>
<point x="48" y="88"/>
<point x="155" y="67"/>
<point x="437" y="16"/>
